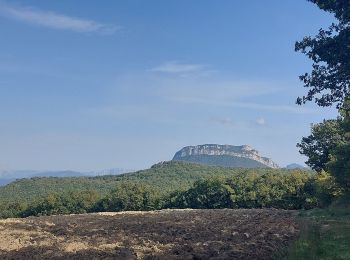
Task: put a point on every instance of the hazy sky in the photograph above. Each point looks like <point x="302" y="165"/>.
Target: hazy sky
<point x="90" y="84"/>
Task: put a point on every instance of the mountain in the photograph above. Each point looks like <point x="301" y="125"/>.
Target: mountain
<point x="242" y="156"/>
<point x="293" y="166"/>
<point x="112" y="171"/>
<point x="58" y="174"/>
<point x="9" y="176"/>
<point x="14" y="174"/>
<point x="4" y="181"/>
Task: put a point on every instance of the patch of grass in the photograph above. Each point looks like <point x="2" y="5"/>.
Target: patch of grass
<point x="325" y="234"/>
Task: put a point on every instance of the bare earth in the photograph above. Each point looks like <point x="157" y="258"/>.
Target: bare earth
<point x="165" y="234"/>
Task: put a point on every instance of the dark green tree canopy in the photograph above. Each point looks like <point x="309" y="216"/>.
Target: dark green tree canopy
<point x="324" y="138"/>
<point x="329" y="81"/>
<point x="328" y="147"/>
<point x="339" y="164"/>
<point x="340" y="8"/>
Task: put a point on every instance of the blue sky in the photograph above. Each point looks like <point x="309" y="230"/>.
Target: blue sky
<point x="88" y="85"/>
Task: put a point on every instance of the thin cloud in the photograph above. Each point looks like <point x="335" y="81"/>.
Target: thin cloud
<point x="136" y="113"/>
<point x="222" y="121"/>
<point x="261" y="121"/>
<point x="53" y="20"/>
<point x="275" y="108"/>
<point x="254" y="106"/>
<point x="175" y="67"/>
<point x="209" y="91"/>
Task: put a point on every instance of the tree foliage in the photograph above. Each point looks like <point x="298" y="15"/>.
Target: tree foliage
<point x="62" y="203"/>
<point x="210" y="193"/>
<point x="329" y="50"/>
<point x="324" y="137"/>
<point x="339" y="163"/>
<point x="328" y="147"/>
<point x="294" y="190"/>
<point x="165" y="178"/>
<point x="171" y="185"/>
<point x="129" y="196"/>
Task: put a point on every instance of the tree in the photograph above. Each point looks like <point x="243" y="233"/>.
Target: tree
<point x="339" y="163"/>
<point x="328" y="147"/>
<point x="326" y="188"/>
<point x="71" y="202"/>
<point x="211" y="193"/>
<point x="129" y="196"/>
<point x="329" y="81"/>
<point x="324" y="138"/>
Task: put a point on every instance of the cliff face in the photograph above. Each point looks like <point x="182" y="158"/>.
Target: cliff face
<point x="230" y="155"/>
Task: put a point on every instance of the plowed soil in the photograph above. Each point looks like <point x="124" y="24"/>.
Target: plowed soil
<point x="165" y="234"/>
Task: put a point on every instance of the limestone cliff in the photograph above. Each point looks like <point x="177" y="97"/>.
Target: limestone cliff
<point x="224" y="155"/>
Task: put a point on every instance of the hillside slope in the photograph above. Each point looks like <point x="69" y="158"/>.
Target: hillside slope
<point x="165" y="177"/>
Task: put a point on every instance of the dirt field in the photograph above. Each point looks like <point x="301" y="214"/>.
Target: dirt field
<point x="166" y="234"/>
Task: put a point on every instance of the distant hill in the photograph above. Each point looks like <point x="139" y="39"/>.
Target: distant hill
<point x="296" y="166"/>
<point x="14" y="174"/>
<point x="9" y="176"/>
<point x="165" y="177"/>
<point x="4" y="181"/>
<point x="59" y="174"/>
<point x="224" y="155"/>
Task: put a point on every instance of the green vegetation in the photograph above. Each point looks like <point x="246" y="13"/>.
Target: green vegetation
<point x="129" y="196"/>
<point x="328" y="146"/>
<point x="329" y="50"/>
<point x="54" y="204"/>
<point x="292" y="190"/>
<point x="165" y="177"/>
<point x="339" y="163"/>
<point x="169" y="185"/>
<point x="324" y="137"/>
<point x="325" y="234"/>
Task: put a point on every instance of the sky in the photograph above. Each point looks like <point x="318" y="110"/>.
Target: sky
<point x="88" y="85"/>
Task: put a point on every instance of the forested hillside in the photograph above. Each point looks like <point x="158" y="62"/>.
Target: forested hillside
<point x="165" y="177"/>
<point x="168" y="185"/>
